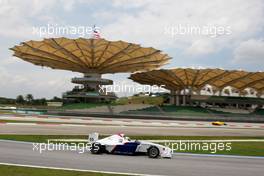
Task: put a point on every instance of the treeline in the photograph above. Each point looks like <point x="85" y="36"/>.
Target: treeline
<point x="28" y="100"/>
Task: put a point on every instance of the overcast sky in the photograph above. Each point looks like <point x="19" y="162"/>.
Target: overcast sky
<point x="151" y="23"/>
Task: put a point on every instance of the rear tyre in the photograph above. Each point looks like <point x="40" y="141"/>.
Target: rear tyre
<point x="96" y="148"/>
<point x="153" y="152"/>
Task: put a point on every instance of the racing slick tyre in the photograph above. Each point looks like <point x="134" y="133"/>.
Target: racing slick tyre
<point x="153" y="152"/>
<point x="96" y="148"/>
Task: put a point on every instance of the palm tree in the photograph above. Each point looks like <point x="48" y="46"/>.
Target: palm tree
<point x="29" y="98"/>
<point x="55" y="98"/>
<point x="43" y="101"/>
<point x="20" y="99"/>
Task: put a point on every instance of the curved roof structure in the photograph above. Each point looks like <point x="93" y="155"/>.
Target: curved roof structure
<point x="90" y="55"/>
<point x="180" y="78"/>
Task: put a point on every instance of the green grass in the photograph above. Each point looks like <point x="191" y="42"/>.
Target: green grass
<point x="238" y="148"/>
<point x="177" y="110"/>
<point x="190" y="110"/>
<point x="39" y="138"/>
<point x="148" y="110"/>
<point x="234" y="99"/>
<point x="26" y="106"/>
<point x="6" y="112"/>
<point x="26" y="171"/>
<point x="82" y="105"/>
<point x="139" y="100"/>
<point x="259" y="112"/>
<point x="174" y="110"/>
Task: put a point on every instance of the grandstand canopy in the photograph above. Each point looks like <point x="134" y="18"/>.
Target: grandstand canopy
<point x="90" y="55"/>
<point x="196" y="79"/>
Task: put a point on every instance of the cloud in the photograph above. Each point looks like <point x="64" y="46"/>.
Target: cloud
<point x="250" y="52"/>
<point x="147" y="23"/>
<point x="17" y="18"/>
<point x="201" y="47"/>
<point x="47" y="83"/>
<point x="136" y="21"/>
<point x="128" y="4"/>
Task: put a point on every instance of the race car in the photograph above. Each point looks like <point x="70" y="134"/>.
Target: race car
<point x="120" y="144"/>
<point x="218" y="123"/>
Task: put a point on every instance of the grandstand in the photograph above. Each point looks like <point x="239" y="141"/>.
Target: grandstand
<point x="227" y="100"/>
<point x="92" y="57"/>
<point x="172" y="110"/>
<point x="214" y="87"/>
<point x="187" y="86"/>
<point x="195" y="111"/>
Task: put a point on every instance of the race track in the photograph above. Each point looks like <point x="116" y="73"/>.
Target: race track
<point x="62" y="125"/>
<point x="69" y="129"/>
<point x="180" y="165"/>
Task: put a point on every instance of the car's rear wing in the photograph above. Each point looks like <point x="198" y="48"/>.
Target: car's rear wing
<point x="93" y="137"/>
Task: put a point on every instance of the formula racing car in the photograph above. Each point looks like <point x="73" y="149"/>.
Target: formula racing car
<point x="120" y="144"/>
<point x="218" y="123"/>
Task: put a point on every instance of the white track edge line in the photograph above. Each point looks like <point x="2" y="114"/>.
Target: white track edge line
<point x="71" y="169"/>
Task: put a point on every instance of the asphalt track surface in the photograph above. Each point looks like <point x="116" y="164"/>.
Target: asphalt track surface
<point x="180" y="164"/>
<point x="123" y="121"/>
<point x="69" y="129"/>
<point x="84" y="126"/>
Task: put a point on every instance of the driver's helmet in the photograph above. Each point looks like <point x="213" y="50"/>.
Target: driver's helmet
<point x="127" y="138"/>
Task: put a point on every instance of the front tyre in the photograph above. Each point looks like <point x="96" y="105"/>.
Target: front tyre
<point x="153" y="152"/>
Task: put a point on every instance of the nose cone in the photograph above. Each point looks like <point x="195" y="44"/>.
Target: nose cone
<point x="166" y="153"/>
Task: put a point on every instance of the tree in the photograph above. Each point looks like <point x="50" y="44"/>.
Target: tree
<point x="43" y="101"/>
<point x="55" y="98"/>
<point x="20" y="99"/>
<point x="29" y="98"/>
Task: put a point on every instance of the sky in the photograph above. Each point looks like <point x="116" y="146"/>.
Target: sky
<point x="226" y="34"/>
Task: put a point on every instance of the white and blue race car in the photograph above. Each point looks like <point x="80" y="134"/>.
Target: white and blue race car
<point x="119" y="144"/>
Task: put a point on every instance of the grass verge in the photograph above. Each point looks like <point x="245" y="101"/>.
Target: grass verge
<point x="25" y="171"/>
